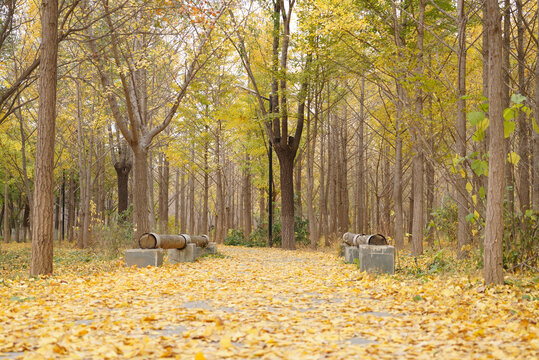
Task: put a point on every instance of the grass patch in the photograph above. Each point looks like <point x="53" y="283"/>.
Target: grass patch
<point x="15" y="260"/>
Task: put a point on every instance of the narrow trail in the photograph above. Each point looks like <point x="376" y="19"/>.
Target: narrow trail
<point x="265" y="303"/>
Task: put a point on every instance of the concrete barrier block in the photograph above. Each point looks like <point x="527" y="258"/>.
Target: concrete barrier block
<point x="380" y="259"/>
<point x="143" y="257"/>
<point x="187" y="254"/>
<point x="351" y="253"/>
<point x="211" y="248"/>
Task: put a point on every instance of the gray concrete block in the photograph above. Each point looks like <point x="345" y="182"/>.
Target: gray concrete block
<point x="143" y="257"/>
<point x="199" y="251"/>
<point x="380" y="259"/>
<point x="351" y="253"/>
<point x="211" y="248"/>
<point x="187" y="254"/>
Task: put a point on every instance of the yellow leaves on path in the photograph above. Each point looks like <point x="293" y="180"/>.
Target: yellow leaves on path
<point x="265" y="303"/>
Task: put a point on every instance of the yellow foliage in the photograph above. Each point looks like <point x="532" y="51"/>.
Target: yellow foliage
<point x="267" y="303"/>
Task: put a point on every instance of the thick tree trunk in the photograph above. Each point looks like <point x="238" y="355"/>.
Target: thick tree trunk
<point x="494" y="217"/>
<point x="297" y="185"/>
<point x="463" y="237"/>
<point x="140" y="193"/>
<point x="123" y="168"/>
<point x="42" y="214"/>
<point x="287" y="201"/>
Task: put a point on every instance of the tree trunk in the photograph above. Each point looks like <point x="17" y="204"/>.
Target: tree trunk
<point x="506" y="64"/>
<point x="463" y="237"/>
<point x="150" y="195"/>
<point x="123" y="168"/>
<point x="494" y="216"/>
<point x="397" y="176"/>
<point x="361" y="176"/>
<point x="140" y="193"/>
<point x="85" y="176"/>
<point x="287" y="201"/>
<point x="220" y="213"/>
<point x="71" y="207"/>
<point x="183" y="203"/>
<point x="191" y="227"/>
<point x="310" y="181"/>
<point x="205" y="205"/>
<point x="177" y="202"/>
<point x="247" y="206"/>
<point x="163" y="194"/>
<point x="42" y="240"/>
<point x="297" y="185"/>
<point x="324" y="188"/>
<point x="535" y="179"/>
<point x="7" y="229"/>
<point x="523" y="124"/>
<point x="418" y="160"/>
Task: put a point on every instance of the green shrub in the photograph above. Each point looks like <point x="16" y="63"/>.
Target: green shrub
<point x="113" y="238"/>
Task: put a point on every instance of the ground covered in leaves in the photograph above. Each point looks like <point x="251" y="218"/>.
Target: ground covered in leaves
<point x="265" y="303"/>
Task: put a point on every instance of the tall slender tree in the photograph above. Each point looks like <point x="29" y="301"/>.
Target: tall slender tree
<point x="42" y="221"/>
<point x="494" y="221"/>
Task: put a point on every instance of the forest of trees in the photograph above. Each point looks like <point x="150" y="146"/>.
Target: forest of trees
<point x="411" y="118"/>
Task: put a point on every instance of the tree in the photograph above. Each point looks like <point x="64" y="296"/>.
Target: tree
<point x="495" y="195"/>
<point x="137" y="127"/>
<point x="42" y="221"/>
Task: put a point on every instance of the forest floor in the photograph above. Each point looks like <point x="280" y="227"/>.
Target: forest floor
<point x="265" y="303"/>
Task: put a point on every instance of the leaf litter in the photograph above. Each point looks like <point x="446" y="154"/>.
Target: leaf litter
<point x="268" y="304"/>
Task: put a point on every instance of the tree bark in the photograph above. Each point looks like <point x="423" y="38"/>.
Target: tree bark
<point x="177" y="202"/>
<point x="71" y="206"/>
<point x="191" y="209"/>
<point x="535" y="179"/>
<point x="205" y="205"/>
<point x="123" y="168"/>
<point x="140" y="194"/>
<point x="287" y="201"/>
<point x="163" y="194"/>
<point x="494" y="215"/>
<point x="506" y="64"/>
<point x="523" y="124"/>
<point x="397" y="176"/>
<point x="463" y="237"/>
<point x="311" y="141"/>
<point x="418" y="160"/>
<point x="7" y="229"/>
<point x="361" y="206"/>
<point x="183" y="204"/>
<point x="247" y="203"/>
<point x="42" y="240"/>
